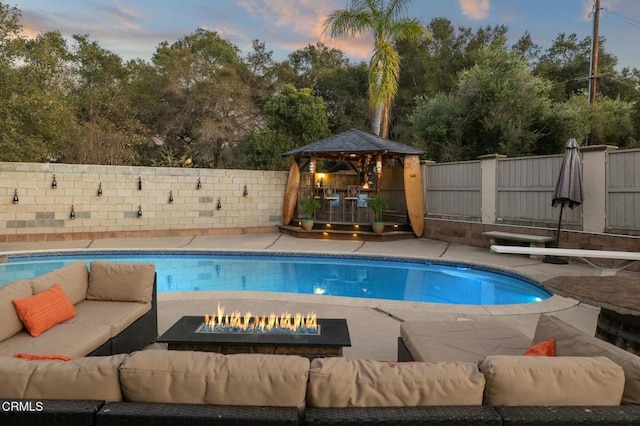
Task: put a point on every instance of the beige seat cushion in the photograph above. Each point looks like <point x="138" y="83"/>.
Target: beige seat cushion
<point x="10" y="323"/>
<point x="210" y="378"/>
<point x="470" y="341"/>
<point x="63" y="339"/>
<point x="552" y="381"/>
<point x="121" y="282"/>
<point x="340" y="382"/>
<point x="84" y="378"/>
<point x="572" y="342"/>
<point x="116" y="315"/>
<point x="73" y="278"/>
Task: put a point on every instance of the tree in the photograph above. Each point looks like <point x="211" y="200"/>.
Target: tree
<point x="612" y="123"/>
<point x="111" y="130"/>
<point x="431" y="66"/>
<point x="435" y="121"/>
<point x="343" y="91"/>
<point x="499" y="107"/>
<point x="37" y="112"/>
<point x="569" y="119"/>
<point x="263" y="70"/>
<point x="384" y="19"/>
<point x="312" y="62"/>
<point x="10" y="31"/>
<point x="205" y="95"/>
<point x="295" y="118"/>
<point x="341" y="84"/>
<point x="567" y="63"/>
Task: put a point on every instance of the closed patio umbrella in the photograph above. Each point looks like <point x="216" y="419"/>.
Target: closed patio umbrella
<point x="568" y="190"/>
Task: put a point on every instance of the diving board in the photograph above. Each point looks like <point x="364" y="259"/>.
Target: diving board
<point x="630" y="256"/>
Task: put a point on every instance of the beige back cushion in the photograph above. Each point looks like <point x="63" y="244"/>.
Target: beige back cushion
<point x="73" y="278"/>
<point x="83" y="378"/>
<point x="340" y="382"/>
<point x="572" y="342"/>
<point x="560" y="381"/>
<point x="210" y="378"/>
<point x="10" y="324"/>
<point x="121" y="282"/>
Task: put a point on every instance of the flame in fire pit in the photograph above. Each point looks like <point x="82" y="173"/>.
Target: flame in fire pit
<point x="236" y="321"/>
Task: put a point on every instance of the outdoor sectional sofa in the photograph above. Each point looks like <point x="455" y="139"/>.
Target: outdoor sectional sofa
<point x="74" y="311"/>
<point x="196" y="388"/>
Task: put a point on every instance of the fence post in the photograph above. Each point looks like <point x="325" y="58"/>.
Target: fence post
<point x="594" y="184"/>
<point x="489" y="186"/>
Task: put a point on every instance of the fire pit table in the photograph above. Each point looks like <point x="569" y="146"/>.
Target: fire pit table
<point x="332" y="336"/>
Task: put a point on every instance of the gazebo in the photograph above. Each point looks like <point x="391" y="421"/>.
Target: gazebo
<point x="365" y="153"/>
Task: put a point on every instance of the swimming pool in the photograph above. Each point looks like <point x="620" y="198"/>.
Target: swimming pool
<point x="371" y="277"/>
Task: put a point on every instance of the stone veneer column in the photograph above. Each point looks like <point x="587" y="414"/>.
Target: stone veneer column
<point x="489" y="186"/>
<point x="594" y="184"/>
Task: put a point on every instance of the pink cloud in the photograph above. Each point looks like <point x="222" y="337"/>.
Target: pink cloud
<point x="475" y="9"/>
<point x="304" y="19"/>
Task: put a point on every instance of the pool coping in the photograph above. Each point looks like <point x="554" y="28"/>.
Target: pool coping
<point x="552" y="304"/>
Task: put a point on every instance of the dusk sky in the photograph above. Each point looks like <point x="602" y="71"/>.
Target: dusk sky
<point x="134" y="28"/>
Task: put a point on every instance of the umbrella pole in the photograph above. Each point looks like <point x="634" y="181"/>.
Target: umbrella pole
<point x="559" y="225"/>
<point x="554" y="259"/>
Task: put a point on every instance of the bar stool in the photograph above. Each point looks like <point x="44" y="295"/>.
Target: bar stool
<point x="352" y="197"/>
<point x="362" y="205"/>
<point x="331" y="196"/>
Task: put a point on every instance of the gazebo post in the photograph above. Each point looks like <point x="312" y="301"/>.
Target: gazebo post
<point x="312" y="175"/>
<point x="379" y="173"/>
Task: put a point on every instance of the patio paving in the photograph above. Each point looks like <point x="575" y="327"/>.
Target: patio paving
<point x="374" y="324"/>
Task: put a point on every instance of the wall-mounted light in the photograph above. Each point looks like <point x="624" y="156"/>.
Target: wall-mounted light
<point x="140" y="211"/>
<point x="170" y="197"/>
<point x="199" y="184"/>
<point x="72" y="215"/>
<point x="15" y="197"/>
<point x="245" y="192"/>
<point x="100" y="189"/>
<point x="312" y="166"/>
<point x="54" y="182"/>
<point x="219" y="205"/>
<point x="139" y="183"/>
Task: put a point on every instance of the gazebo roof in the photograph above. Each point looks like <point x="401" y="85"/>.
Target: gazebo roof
<point x="353" y="141"/>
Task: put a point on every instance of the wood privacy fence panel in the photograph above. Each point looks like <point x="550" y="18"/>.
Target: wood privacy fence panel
<point x="525" y="189"/>
<point x="454" y="190"/>
<point x="623" y="189"/>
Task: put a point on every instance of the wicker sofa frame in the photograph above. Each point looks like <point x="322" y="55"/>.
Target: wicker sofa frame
<point x="139" y="334"/>
<point x="99" y="413"/>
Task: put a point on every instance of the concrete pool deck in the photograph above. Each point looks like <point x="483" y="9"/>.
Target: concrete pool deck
<point x="374" y="324"/>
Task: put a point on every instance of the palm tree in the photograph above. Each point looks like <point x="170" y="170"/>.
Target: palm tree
<point x="383" y="18"/>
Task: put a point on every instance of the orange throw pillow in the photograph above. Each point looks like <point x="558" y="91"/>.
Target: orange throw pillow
<point x="30" y="357"/>
<point x="42" y="311"/>
<point x="546" y="348"/>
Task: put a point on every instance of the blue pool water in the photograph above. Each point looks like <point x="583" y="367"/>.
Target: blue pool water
<point x="363" y="277"/>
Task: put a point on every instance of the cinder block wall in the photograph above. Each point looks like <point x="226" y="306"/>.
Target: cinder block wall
<point x="44" y="213"/>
